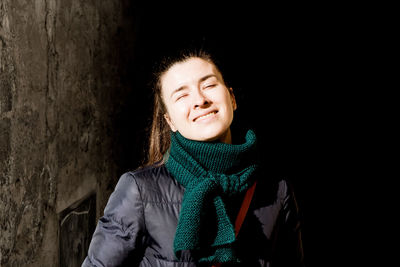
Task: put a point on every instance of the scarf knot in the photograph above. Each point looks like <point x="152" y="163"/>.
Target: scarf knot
<point x="226" y="185"/>
<point x="212" y="174"/>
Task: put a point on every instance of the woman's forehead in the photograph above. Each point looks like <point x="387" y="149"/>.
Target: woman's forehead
<point x="188" y="71"/>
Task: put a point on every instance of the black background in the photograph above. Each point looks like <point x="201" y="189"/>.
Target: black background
<point x="296" y="72"/>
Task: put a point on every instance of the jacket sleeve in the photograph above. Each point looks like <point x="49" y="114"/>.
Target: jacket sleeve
<point x="118" y="236"/>
<point x="290" y="245"/>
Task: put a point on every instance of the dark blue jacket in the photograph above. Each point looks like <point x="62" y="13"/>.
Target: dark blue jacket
<point x="140" y="220"/>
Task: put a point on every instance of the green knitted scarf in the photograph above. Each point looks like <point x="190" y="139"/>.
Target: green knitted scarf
<point x="213" y="174"/>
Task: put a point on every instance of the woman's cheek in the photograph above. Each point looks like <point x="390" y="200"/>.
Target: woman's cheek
<point x="182" y="110"/>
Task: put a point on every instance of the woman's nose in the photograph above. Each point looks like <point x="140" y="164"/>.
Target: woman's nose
<point x="199" y="99"/>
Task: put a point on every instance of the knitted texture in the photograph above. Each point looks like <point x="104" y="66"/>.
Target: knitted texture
<point x="212" y="174"/>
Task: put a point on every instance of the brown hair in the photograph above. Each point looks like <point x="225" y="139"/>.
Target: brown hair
<point x="159" y="131"/>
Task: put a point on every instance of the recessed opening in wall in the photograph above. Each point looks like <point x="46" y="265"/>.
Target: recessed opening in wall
<point x="76" y="226"/>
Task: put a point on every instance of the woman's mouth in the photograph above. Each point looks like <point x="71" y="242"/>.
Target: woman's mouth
<point x="205" y="116"/>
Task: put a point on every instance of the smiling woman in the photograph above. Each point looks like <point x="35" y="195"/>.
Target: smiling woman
<point x="202" y="107"/>
<point x="204" y="197"/>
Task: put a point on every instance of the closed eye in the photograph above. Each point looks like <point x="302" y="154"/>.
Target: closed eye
<point x="180" y="97"/>
<point x="210" y="85"/>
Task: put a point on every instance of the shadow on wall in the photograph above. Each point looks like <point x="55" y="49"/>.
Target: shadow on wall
<point x="63" y="72"/>
<point x="77" y="225"/>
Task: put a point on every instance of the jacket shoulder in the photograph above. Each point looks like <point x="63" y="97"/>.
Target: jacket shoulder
<point x="157" y="185"/>
<point x="125" y="203"/>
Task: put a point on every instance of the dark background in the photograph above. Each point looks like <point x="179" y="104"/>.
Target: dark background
<point x="308" y="78"/>
<point x="293" y="70"/>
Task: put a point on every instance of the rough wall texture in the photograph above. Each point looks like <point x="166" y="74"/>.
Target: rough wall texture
<point x="61" y="64"/>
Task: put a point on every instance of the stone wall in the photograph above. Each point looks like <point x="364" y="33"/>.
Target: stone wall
<point x="62" y="77"/>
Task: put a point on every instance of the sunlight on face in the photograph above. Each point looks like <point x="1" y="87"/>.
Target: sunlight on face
<point x="199" y="105"/>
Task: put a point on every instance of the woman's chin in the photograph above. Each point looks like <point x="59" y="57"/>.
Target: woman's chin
<point x="212" y="136"/>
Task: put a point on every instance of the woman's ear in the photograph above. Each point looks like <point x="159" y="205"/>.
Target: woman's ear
<point x="170" y="123"/>
<point x="234" y="105"/>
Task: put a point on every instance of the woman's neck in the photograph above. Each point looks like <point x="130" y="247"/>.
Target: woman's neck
<point x="226" y="137"/>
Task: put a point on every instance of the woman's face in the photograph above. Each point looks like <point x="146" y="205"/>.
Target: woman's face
<point x="199" y="105"/>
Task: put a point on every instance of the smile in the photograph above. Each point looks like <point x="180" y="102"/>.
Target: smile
<point x="206" y="116"/>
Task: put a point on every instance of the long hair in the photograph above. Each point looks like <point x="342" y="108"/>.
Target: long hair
<point x="159" y="131"/>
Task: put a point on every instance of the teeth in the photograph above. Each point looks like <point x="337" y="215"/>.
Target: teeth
<point x="208" y="115"/>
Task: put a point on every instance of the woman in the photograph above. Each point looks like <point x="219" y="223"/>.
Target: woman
<point x="204" y="198"/>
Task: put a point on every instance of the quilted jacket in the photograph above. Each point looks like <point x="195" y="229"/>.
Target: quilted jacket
<point x="141" y="217"/>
